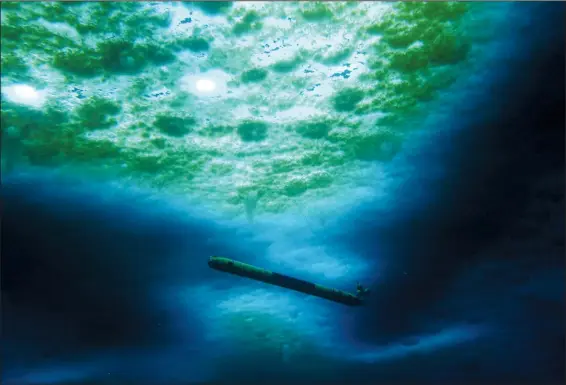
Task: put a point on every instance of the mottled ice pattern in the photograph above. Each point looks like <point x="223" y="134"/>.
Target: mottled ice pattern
<point x="380" y="142"/>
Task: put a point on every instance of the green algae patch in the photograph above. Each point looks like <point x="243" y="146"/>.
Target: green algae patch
<point x="252" y="131"/>
<point x="159" y="143"/>
<point x="347" y="99"/>
<point x="149" y="19"/>
<point x="84" y="150"/>
<point x="17" y="32"/>
<point x="121" y="56"/>
<point x="134" y="21"/>
<point x="429" y="24"/>
<point x="194" y="44"/>
<point x="12" y="64"/>
<point x="78" y="62"/>
<point x="286" y="66"/>
<point x="281" y="166"/>
<point x="12" y="5"/>
<point x="159" y="54"/>
<point x="31" y="123"/>
<point x="400" y="33"/>
<point x="316" y="11"/>
<point x="213" y="7"/>
<point x="416" y="87"/>
<point x="417" y="50"/>
<point x="443" y="11"/>
<point x="420" y="50"/>
<point x="167" y="168"/>
<point x="295" y="187"/>
<point x="255" y="75"/>
<point x="320" y="180"/>
<point x="52" y="145"/>
<point x="448" y="48"/>
<point x="335" y="58"/>
<point x="215" y="131"/>
<point x="251" y="22"/>
<point x="149" y="164"/>
<point x="97" y="113"/>
<point x="139" y="85"/>
<point x="411" y="59"/>
<point x="112" y="56"/>
<point x="221" y="169"/>
<point x="59" y="12"/>
<point x="314" y="129"/>
<point x="381" y="145"/>
<point x="397" y="104"/>
<point x="312" y="159"/>
<point x="174" y="126"/>
<point x="23" y="29"/>
<point x="10" y="32"/>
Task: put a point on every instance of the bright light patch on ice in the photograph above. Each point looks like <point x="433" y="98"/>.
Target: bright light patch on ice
<point x="205" y="85"/>
<point x="24" y="94"/>
<point x="211" y="83"/>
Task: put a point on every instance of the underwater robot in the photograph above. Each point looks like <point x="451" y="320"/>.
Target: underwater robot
<point x="248" y="271"/>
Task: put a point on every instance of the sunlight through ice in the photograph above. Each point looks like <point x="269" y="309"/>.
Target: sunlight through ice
<point x="24" y="94"/>
<point x="205" y="85"/>
<point x="210" y="84"/>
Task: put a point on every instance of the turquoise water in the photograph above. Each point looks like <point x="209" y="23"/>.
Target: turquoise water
<point x="416" y="148"/>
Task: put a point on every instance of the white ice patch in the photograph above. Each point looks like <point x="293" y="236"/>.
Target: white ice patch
<point x="61" y="29"/>
<point x="296" y="113"/>
<point x="24" y="94"/>
<point x="277" y="23"/>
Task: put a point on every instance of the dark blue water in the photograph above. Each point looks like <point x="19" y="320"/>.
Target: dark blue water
<point x="105" y="285"/>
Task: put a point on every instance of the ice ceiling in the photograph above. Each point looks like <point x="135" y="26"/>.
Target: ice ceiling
<point x="248" y="106"/>
<point x="252" y="108"/>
